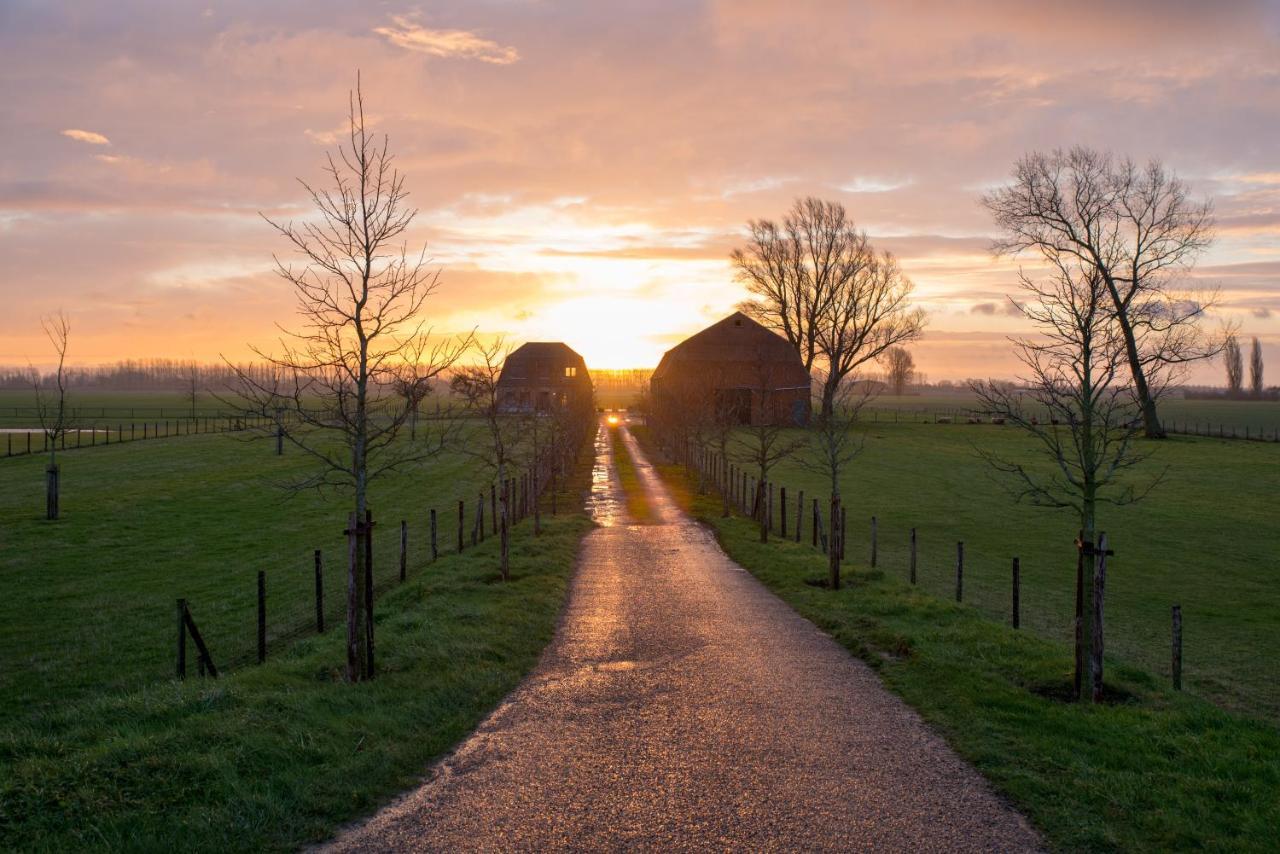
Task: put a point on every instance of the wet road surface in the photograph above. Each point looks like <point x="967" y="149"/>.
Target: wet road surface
<point x="684" y="707"/>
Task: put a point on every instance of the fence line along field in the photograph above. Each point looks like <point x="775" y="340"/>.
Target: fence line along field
<point x="90" y="602"/>
<point x="1206" y="539"/>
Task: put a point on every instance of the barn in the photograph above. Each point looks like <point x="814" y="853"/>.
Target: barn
<point x="541" y="375"/>
<point x="750" y="372"/>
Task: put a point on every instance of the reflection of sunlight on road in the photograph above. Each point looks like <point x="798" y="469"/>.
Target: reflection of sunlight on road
<point x="606" y="503"/>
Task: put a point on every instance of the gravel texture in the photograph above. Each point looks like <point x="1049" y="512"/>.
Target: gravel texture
<point x="684" y="707"/>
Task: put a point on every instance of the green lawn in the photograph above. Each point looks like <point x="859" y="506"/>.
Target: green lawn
<point x="1187" y="416"/>
<point x="101" y="748"/>
<point x="1207" y="539"/>
<point x="1154" y="770"/>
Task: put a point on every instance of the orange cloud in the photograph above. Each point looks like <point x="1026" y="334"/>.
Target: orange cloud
<point x="460" y="44"/>
<point x="86" y="136"/>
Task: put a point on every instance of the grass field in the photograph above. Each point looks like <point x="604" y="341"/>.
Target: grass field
<point x="1206" y="539"/>
<point x="1189" y="416"/>
<point x="89" y="600"/>
<point x="1153" y="770"/>
<point x="100" y="748"/>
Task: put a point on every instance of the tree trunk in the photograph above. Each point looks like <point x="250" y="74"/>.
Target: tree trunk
<point x="1150" y="419"/>
<point x="52" y="484"/>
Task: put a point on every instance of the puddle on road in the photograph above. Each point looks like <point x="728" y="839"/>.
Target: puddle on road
<point x="605" y="503"/>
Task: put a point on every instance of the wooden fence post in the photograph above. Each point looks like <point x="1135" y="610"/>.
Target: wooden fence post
<point x="1099" y="599"/>
<point x="782" y="511"/>
<point x="435" y="551"/>
<point x="913" y="555"/>
<point x="873" y="542"/>
<point x="353" y="602"/>
<point x="368" y="591"/>
<point x="960" y="571"/>
<point x="462" y="511"/>
<point x="182" y="637"/>
<point x="1177" y="647"/>
<point x="834" y="546"/>
<point x="262" y="616"/>
<point x="493" y="506"/>
<point x="319" y="593"/>
<point x="1017" y="593"/>
<point x="404" y="549"/>
<point x="844" y="528"/>
<point x="817" y="523"/>
<point x="799" y="514"/>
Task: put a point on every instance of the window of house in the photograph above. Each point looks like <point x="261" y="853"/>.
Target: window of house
<point x="570" y="371"/>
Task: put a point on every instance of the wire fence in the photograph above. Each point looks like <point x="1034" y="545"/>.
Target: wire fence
<point x="943" y="569"/>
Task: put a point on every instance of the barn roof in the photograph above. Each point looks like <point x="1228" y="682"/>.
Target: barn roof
<point x="546" y="350"/>
<point x="735" y="346"/>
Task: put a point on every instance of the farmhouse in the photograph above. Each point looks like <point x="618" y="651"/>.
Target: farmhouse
<point x="541" y="375"/>
<point x="750" y="372"/>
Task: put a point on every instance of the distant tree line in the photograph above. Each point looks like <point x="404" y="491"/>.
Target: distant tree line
<point x="136" y="375"/>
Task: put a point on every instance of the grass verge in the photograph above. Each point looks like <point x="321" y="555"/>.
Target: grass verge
<point x="277" y="756"/>
<point x="637" y="499"/>
<point x="1152" y="770"/>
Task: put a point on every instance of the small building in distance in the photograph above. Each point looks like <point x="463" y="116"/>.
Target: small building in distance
<point x="750" y="373"/>
<point x="543" y="375"/>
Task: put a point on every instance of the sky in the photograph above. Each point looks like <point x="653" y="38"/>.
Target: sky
<point x="583" y="169"/>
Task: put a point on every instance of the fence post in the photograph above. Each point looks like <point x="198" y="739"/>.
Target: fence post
<point x="768" y="521"/>
<point x="353" y="592"/>
<point x="404" y="548"/>
<point x="817" y="519"/>
<point x="844" y="527"/>
<point x="462" y="510"/>
<point x="319" y="593"/>
<point x="873" y="542"/>
<point x="1017" y="593"/>
<point x="435" y="552"/>
<point x="368" y="588"/>
<point x="834" y="545"/>
<point x="1178" y="648"/>
<point x="1099" y="599"/>
<point x="262" y="616"/>
<point x="913" y="555"/>
<point x="493" y="506"/>
<point x="799" y="514"/>
<point x="960" y="571"/>
<point x="182" y="637"/>
<point x="782" y="511"/>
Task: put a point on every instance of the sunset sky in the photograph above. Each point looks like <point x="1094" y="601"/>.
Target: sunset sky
<point x="583" y="169"/>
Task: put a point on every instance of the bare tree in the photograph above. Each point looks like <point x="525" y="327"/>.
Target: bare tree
<point x="1080" y="408"/>
<point x="51" y="407"/>
<point x="360" y="295"/>
<point x="769" y="438"/>
<point x="190" y="374"/>
<point x="425" y="358"/>
<point x="1255" y="368"/>
<point x="477" y="384"/>
<point x="833" y="442"/>
<point x="1235" y="366"/>
<point x="1138" y="230"/>
<point x="900" y="367"/>
<point x="817" y="280"/>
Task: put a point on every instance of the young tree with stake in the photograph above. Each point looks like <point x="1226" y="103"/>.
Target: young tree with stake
<point x="51" y="409"/>
<point x="1078" y="405"/>
<point x="360" y="295"/>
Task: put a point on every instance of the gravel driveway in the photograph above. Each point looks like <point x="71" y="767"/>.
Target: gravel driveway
<point x="684" y="707"/>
